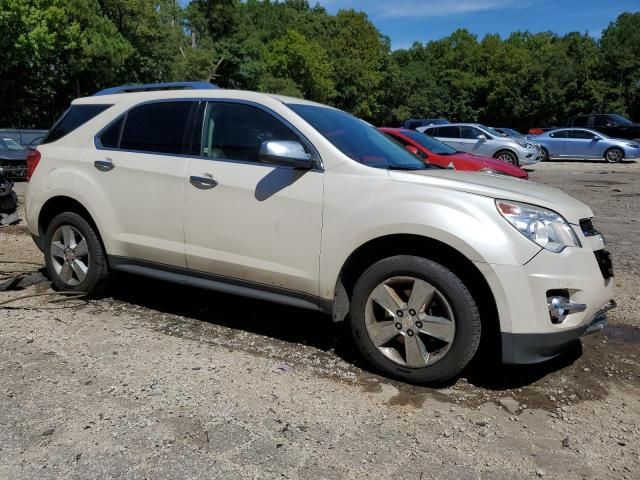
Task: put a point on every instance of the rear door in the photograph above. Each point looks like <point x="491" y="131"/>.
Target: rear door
<point x="451" y="136"/>
<point x="555" y="145"/>
<point x="139" y="164"/>
<point x="245" y="219"/>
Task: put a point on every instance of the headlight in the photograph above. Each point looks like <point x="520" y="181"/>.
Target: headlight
<point x="524" y="144"/>
<point x="544" y="227"/>
<point x="633" y="145"/>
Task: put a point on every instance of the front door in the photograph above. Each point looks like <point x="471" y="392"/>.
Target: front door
<point x="245" y="219"/>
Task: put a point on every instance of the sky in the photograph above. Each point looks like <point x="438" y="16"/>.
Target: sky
<point x="407" y="21"/>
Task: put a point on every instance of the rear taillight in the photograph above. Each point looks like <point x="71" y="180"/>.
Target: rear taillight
<point x="32" y="162"/>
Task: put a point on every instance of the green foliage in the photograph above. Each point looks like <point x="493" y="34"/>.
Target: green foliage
<point x="55" y="50"/>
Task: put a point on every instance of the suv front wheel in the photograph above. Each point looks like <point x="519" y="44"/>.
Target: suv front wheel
<point x="414" y="319"/>
<point x="74" y="256"/>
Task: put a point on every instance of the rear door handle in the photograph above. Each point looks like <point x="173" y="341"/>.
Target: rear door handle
<point x="203" y="182"/>
<point x="104" y="165"/>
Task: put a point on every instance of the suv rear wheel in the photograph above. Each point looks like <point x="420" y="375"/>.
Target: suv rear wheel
<point x="74" y="255"/>
<point x="414" y="319"/>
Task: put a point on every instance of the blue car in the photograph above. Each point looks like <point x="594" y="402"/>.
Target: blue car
<point x="585" y="144"/>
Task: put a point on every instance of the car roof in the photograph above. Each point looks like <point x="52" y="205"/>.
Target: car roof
<point x="136" y="97"/>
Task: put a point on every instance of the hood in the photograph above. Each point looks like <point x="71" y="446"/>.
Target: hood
<point x="491" y="163"/>
<point x="13" y="155"/>
<point x="497" y="186"/>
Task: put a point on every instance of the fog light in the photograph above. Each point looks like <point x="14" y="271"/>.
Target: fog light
<point x="560" y="307"/>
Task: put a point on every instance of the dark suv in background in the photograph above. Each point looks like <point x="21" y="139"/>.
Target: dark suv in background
<point x="414" y="123"/>
<point x="610" y="124"/>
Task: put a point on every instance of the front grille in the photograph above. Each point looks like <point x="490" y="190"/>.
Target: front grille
<point x="586" y="225"/>
<point x="603" y="257"/>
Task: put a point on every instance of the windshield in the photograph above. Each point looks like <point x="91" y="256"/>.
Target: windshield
<point x="492" y="131"/>
<point x="430" y="143"/>
<point x="10" y="144"/>
<point x="357" y="139"/>
<point x="620" y="120"/>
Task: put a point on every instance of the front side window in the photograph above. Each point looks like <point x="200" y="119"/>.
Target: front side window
<point x="470" y="133"/>
<point x="357" y="139"/>
<point x="448" y="132"/>
<point x="157" y="127"/>
<point x="236" y="131"/>
<point x="601" y="121"/>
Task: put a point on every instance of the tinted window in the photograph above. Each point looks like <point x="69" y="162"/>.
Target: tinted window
<point x="469" y="132"/>
<point x="448" y="132"/>
<point x="600" y="120"/>
<point x="431" y="143"/>
<point x="357" y="139"/>
<point x="235" y="131"/>
<point x="110" y="137"/>
<point x="73" y="118"/>
<point x="156" y="127"/>
<point x="560" y="134"/>
<point x="431" y="131"/>
<point x="580" y="121"/>
<point x="581" y="134"/>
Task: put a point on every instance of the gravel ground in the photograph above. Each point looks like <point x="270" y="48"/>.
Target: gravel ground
<point x="158" y="381"/>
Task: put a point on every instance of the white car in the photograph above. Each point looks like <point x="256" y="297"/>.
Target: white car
<point x="290" y="201"/>
<point x="487" y="142"/>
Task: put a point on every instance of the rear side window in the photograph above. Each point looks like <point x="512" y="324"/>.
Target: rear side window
<point x="560" y="134"/>
<point x="448" y="132"/>
<point x="73" y="118"/>
<point x="581" y="134"/>
<point x="154" y="127"/>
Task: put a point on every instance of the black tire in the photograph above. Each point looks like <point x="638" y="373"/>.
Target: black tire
<point x="465" y="311"/>
<point x="507" y="156"/>
<point x="97" y="276"/>
<point x="614" y="155"/>
<point x="545" y="155"/>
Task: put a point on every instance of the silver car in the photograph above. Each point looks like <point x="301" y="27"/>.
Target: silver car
<point x="485" y="141"/>
<point x="585" y="144"/>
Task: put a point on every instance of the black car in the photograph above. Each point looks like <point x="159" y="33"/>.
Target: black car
<point x="13" y="158"/>
<point x="610" y="124"/>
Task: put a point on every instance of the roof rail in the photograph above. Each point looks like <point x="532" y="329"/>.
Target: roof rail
<point x="151" y="87"/>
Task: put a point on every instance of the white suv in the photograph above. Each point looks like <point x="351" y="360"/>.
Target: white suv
<point x="487" y="142"/>
<point x="290" y="201"/>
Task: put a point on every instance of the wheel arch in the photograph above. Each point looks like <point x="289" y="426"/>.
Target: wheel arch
<point x="410" y="244"/>
<point x="506" y="149"/>
<point x="60" y="204"/>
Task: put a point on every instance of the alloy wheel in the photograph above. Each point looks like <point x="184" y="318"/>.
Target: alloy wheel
<point x="614" y="155"/>
<point x="410" y="321"/>
<point x="69" y="255"/>
<point x="507" y="157"/>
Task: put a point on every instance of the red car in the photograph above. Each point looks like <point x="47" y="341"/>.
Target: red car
<point x="442" y="155"/>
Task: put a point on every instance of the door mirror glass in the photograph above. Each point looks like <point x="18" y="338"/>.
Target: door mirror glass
<point x="287" y="153"/>
<point x="596" y="137"/>
<point x="482" y="137"/>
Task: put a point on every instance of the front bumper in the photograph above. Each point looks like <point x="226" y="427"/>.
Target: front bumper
<point x="526" y="348"/>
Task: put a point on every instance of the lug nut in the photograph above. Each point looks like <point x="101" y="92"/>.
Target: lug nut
<point x="418" y="324"/>
<point x="399" y="313"/>
<point x="410" y="333"/>
<point x="412" y="312"/>
<point x="399" y="326"/>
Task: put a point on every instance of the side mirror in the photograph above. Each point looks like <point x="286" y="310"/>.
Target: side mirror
<point x="482" y="137"/>
<point x="596" y="138"/>
<point x="287" y="153"/>
<point x="611" y="124"/>
<point x="412" y="149"/>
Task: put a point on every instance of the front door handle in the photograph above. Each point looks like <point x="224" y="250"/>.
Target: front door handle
<point x="104" y="165"/>
<point x="203" y="182"/>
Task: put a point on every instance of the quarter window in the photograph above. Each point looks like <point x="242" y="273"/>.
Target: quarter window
<point x="74" y="117"/>
<point x="155" y="127"/>
<point x="236" y="131"/>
